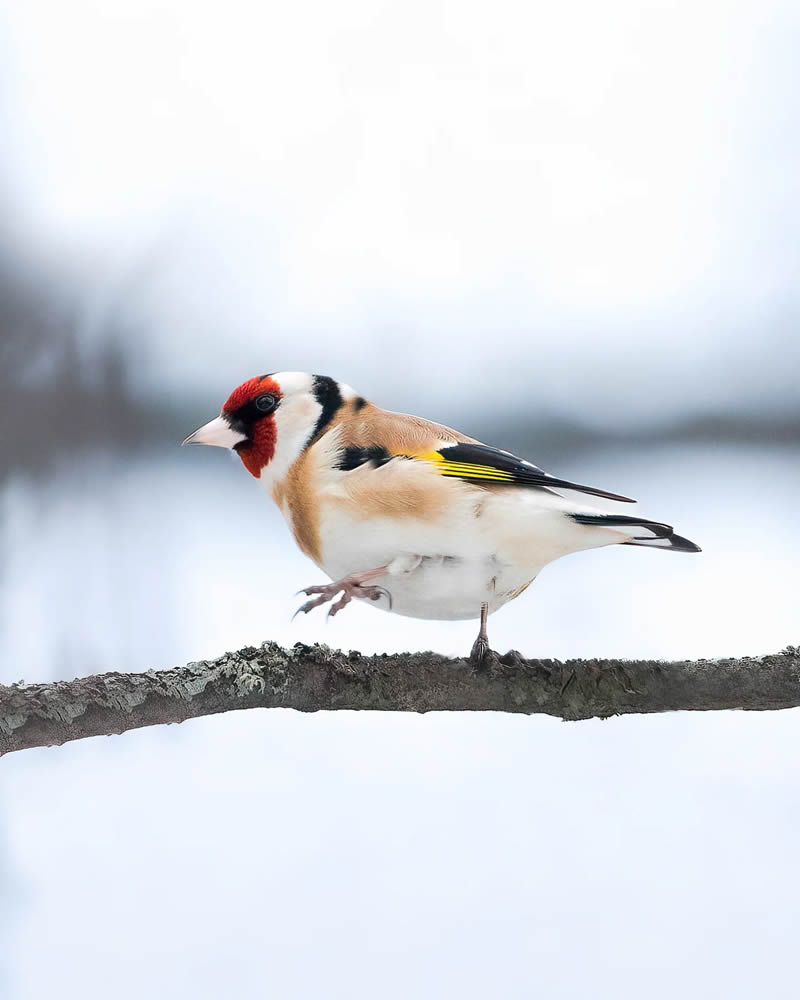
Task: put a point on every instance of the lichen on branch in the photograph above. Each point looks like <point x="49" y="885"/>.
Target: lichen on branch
<point x="316" y="678"/>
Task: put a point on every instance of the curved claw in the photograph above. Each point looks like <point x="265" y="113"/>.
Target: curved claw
<point x="310" y="605"/>
<point x="318" y="589"/>
<point x="382" y="591"/>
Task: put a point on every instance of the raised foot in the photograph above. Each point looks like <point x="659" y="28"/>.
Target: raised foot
<point x="348" y="586"/>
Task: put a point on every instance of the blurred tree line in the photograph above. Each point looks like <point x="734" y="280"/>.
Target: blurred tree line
<point x="67" y="386"/>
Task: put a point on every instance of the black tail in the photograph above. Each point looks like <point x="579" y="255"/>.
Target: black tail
<point x="655" y="535"/>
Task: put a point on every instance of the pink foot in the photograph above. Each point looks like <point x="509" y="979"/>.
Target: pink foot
<point x="350" y="586"/>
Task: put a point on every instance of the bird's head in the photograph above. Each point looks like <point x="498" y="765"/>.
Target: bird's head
<point x="271" y="418"/>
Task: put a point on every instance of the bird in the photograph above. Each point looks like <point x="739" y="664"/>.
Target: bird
<point x="407" y="514"/>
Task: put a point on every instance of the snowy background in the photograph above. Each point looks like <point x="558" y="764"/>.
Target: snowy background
<point x="570" y="230"/>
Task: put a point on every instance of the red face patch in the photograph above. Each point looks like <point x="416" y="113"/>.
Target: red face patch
<point x="249" y="390"/>
<point x="259" y="450"/>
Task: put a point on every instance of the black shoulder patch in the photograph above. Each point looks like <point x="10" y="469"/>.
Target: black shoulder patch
<point x="359" y="403"/>
<point x="352" y="458"/>
<point x="326" y="392"/>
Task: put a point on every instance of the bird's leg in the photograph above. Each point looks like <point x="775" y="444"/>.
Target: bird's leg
<point x="352" y="585"/>
<point x="480" y="648"/>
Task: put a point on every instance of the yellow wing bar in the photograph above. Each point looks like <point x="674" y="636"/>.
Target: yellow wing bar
<point x="466" y="470"/>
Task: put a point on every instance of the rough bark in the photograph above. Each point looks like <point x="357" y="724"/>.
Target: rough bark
<point x="316" y="678"/>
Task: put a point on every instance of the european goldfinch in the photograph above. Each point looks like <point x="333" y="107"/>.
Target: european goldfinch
<point x="412" y="515"/>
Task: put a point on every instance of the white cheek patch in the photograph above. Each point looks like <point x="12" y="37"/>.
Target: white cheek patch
<point x="305" y="410"/>
<point x="295" y="420"/>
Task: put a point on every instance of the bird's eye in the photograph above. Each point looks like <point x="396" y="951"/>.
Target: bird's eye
<point x="266" y="402"/>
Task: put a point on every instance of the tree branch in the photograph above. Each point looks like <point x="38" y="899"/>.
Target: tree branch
<point x="315" y="678"/>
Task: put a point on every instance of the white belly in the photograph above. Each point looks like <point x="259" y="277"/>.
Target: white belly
<point x="434" y="571"/>
<point x="450" y="588"/>
<point x="448" y="563"/>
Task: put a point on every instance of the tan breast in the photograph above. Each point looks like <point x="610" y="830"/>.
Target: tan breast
<point x="397" y="489"/>
<point x="298" y="499"/>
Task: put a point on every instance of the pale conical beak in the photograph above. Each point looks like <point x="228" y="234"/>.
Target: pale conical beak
<point x="216" y="432"/>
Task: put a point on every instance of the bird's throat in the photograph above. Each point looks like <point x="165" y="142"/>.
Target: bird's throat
<point x="259" y="450"/>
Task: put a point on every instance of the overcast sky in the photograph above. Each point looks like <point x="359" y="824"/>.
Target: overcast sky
<point x="585" y="203"/>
